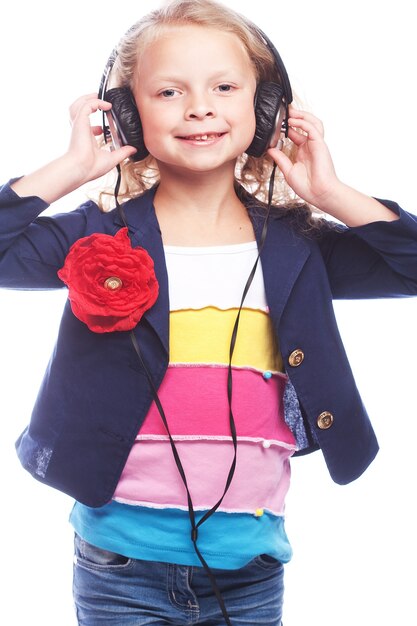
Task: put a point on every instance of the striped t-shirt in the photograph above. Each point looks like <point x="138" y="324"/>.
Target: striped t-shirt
<point x="148" y="516"/>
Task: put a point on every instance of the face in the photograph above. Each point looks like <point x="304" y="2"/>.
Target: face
<point x="195" y="92"/>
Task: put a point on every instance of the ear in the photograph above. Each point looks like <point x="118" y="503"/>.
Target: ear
<point x="268" y="102"/>
<point x="127" y="120"/>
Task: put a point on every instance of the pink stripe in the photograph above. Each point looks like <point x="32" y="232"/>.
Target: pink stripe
<point x="194" y="399"/>
<point x="261" y="479"/>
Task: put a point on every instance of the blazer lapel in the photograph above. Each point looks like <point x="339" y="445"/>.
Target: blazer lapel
<point x="283" y="256"/>
<point x="144" y="232"/>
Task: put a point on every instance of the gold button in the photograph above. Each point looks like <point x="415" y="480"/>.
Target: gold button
<point x="325" y="420"/>
<point x="113" y="283"/>
<point x="296" y="358"/>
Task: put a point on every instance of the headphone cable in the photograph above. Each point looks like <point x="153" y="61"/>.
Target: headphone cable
<point x="195" y="525"/>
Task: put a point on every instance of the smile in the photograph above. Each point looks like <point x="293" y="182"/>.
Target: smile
<point x="203" y="137"/>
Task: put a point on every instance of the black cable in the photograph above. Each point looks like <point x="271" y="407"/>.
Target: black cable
<point x="191" y="512"/>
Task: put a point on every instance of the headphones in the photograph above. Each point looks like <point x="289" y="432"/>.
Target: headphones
<point x="271" y="110"/>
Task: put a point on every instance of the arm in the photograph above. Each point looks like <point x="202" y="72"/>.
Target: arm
<point x="33" y="248"/>
<point x="374" y="254"/>
<point x="376" y="260"/>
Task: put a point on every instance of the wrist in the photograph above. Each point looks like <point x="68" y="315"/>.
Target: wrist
<point x="355" y="208"/>
<point x="52" y="181"/>
<point x="333" y="200"/>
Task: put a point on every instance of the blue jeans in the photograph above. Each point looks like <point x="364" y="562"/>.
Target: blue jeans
<point x="110" y="589"/>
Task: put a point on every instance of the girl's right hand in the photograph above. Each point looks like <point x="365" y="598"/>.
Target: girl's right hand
<point x="89" y="159"/>
<point x="84" y="160"/>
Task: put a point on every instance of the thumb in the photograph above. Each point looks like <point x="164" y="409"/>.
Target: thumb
<point x="120" y="154"/>
<point x="282" y="160"/>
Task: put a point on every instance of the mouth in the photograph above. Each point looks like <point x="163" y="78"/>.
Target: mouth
<point x="201" y="138"/>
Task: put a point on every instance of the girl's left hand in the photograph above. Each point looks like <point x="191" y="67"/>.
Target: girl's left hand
<point x="312" y="176"/>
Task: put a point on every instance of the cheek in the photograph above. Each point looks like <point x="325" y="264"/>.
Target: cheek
<point x="151" y="129"/>
<point x="157" y="124"/>
<point x="252" y="124"/>
<point x="148" y="122"/>
<point x="248" y="121"/>
<point x="147" y="116"/>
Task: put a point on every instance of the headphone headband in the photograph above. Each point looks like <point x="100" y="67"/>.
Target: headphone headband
<point x="279" y="65"/>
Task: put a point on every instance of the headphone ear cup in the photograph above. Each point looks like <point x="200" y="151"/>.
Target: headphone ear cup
<point x="126" y="118"/>
<point x="268" y="101"/>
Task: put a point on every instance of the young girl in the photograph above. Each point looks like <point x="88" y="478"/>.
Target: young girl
<point x="186" y="373"/>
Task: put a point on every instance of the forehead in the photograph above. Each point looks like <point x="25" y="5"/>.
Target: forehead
<point x="193" y="47"/>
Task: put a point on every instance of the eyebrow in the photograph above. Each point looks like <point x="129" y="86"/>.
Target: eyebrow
<point x="178" y="78"/>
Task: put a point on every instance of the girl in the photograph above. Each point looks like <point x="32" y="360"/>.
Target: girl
<point x="186" y="373"/>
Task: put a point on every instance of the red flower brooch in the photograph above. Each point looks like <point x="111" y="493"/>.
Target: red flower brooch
<point x="111" y="284"/>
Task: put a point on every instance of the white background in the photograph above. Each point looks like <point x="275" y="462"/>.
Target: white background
<point x="353" y="64"/>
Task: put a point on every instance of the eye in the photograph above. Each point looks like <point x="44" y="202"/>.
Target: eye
<point x="168" y="93"/>
<point x="225" y="88"/>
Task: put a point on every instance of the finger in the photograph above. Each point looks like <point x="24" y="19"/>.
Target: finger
<point x="97" y="130"/>
<point x="312" y="132"/>
<point x="282" y="160"/>
<point x="86" y="105"/>
<point x="79" y="102"/>
<point x="298" y="138"/>
<point x="309" y="117"/>
<point x="83" y="98"/>
<point x="120" y="154"/>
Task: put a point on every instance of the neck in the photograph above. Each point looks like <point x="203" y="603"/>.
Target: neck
<point x="200" y="192"/>
<point x="201" y="210"/>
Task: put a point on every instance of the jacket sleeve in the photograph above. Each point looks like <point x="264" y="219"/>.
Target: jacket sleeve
<point x="32" y="248"/>
<point x="377" y="260"/>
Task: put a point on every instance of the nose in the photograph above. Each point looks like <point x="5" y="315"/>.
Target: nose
<point x="199" y="106"/>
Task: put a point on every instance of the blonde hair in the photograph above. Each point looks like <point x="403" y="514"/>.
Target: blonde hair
<point x="252" y="173"/>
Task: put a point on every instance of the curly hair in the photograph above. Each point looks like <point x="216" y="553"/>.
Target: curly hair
<point x="251" y="173"/>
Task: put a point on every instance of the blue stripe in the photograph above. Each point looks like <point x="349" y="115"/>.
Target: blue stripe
<point x="226" y="540"/>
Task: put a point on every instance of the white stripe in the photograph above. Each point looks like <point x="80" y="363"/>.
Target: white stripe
<point x="214" y="276"/>
<point x="265" y="442"/>
<point x="206" y="507"/>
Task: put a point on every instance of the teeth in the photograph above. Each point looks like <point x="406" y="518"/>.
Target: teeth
<point x="202" y="137"/>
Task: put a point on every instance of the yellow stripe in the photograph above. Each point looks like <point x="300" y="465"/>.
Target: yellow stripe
<point x="203" y="336"/>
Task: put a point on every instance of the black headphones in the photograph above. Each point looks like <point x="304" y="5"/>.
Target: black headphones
<point x="271" y="110"/>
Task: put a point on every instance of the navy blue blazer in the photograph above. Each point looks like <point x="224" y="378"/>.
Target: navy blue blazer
<point x="95" y="396"/>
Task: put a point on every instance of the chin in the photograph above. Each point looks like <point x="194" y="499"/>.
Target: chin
<point x="201" y="163"/>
